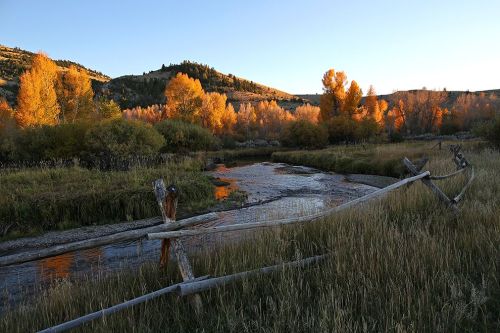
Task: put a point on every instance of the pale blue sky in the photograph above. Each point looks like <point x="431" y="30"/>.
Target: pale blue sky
<point x="284" y="44"/>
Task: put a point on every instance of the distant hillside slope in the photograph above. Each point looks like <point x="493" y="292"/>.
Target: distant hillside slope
<point x="452" y="96"/>
<point x="148" y="89"/>
<point x="14" y="61"/>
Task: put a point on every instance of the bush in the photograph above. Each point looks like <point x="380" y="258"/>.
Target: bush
<point x="489" y="131"/>
<point x="121" y="139"/>
<point x="44" y="143"/>
<point x="366" y="129"/>
<point x="395" y="137"/>
<point x="304" y="134"/>
<point x="184" y="137"/>
<point x="341" y="129"/>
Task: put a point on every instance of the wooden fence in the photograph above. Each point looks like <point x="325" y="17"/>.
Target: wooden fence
<point x="171" y="234"/>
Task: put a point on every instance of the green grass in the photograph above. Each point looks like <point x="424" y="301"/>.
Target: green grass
<point x="59" y="198"/>
<point x="383" y="160"/>
<point x="402" y="263"/>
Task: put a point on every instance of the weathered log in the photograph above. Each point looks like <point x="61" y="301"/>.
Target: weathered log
<point x="302" y="219"/>
<point x="199" y="286"/>
<point x="129" y="235"/>
<point x="115" y="308"/>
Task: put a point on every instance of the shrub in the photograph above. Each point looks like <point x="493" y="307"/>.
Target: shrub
<point x="341" y="129"/>
<point x="47" y="142"/>
<point x="395" y="136"/>
<point x="489" y="131"/>
<point x="121" y="139"/>
<point x="304" y="134"/>
<point x="183" y="137"/>
<point x="366" y="129"/>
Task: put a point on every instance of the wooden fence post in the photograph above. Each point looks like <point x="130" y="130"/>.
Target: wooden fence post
<point x="427" y="182"/>
<point x="168" y="214"/>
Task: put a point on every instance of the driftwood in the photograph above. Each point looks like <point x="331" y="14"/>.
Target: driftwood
<point x="177" y="245"/>
<point x="195" y="287"/>
<point x="115" y="308"/>
<point x="105" y="240"/>
<point x="309" y="218"/>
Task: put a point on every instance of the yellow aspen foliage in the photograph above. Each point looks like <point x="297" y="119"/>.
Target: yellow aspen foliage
<point x="212" y="110"/>
<point x="378" y="116"/>
<point x="37" y="99"/>
<point x="184" y="98"/>
<point x="332" y="100"/>
<point x="228" y="120"/>
<point x="352" y="99"/>
<point x="6" y="116"/>
<point x="246" y="120"/>
<point x="308" y="113"/>
<point x="75" y="94"/>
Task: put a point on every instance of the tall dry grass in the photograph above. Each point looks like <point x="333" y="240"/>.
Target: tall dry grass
<point x="402" y="263"/>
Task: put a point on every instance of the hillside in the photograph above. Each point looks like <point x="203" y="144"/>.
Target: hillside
<point x="148" y="88"/>
<point x="14" y="61"/>
<point x="451" y="96"/>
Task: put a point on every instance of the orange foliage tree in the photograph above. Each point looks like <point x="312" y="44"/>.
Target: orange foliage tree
<point x="375" y="108"/>
<point x="332" y="100"/>
<point x="151" y="114"/>
<point x="75" y="95"/>
<point x="308" y="113"/>
<point x="7" y="120"/>
<point x="37" y="99"/>
<point x="184" y="98"/>
<point x="271" y="118"/>
<point x="212" y="109"/>
<point x="246" y="120"/>
<point x="228" y="120"/>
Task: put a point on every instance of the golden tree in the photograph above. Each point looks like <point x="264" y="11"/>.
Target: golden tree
<point x="352" y="99"/>
<point x="7" y="120"/>
<point x="75" y="94"/>
<point x="307" y="112"/>
<point x="332" y="100"/>
<point x="184" y="98"/>
<point x="228" y="120"/>
<point x="37" y="99"/>
<point x="375" y="108"/>
<point x="246" y="120"/>
<point x="212" y="109"/>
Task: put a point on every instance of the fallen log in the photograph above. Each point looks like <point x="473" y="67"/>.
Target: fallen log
<point x="302" y="219"/>
<point x="22" y="257"/>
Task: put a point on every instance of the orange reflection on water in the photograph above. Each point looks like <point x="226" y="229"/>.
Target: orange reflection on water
<point x="222" y="192"/>
<point x="58" y="267"/>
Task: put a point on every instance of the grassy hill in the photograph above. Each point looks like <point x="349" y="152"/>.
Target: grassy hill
<point x="14" y="61"/>
<point x="451" y="96"/>
<point x="148" y="88"/>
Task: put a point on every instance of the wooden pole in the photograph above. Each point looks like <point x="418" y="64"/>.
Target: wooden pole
<point x="427" y="182"/>
<point x="199" y="286"/>
<point x="309" y="218"/>
<point x="177" y="245"/>
<point x="115" y="308"/>
<point x="100" y="241"/>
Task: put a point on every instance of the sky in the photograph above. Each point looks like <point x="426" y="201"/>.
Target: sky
<point x="393" y="45"/>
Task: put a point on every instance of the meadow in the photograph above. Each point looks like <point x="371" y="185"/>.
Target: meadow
<point x="402" y="263"/>
<point x="34" y="200"/>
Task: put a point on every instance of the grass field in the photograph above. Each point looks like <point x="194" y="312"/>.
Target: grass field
<point x="383" y="160"/>
<point x="35" y="200"/>
<point x="403" y="263"/>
